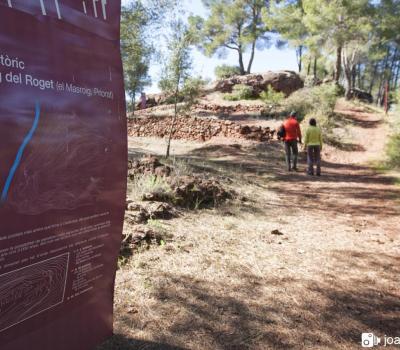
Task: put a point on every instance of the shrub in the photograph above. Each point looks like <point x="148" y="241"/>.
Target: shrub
<point x="392" y="150"/>
<point x="225" y="71"/>
<point x="319" y="100"/>
<point x="396" y="98"/>
<point x="149" y="184"/>
<point x="272" y="97"/>
<point x="189" y="93"/>
<point x="310" y="81"/>
<point x="240" y="92"/>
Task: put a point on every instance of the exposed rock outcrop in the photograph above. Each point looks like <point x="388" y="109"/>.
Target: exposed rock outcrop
<point x="361" y="95"/>
<point x="281" y="81"/>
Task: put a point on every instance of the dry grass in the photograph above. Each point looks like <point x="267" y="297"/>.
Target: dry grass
<point x="225" y="282"/>
<point x="147" y="183"/>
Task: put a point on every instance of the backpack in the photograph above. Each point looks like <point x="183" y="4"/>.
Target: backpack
<point x="281" y="132"/>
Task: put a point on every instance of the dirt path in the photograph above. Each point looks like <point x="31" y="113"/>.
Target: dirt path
<point x="225" y="282"/>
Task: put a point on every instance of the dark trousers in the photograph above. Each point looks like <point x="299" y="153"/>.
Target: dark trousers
<point x="314" y="158"/>
<point x="291" y="149"/>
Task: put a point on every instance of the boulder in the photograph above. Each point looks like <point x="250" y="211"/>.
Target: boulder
<point x="139" y="213"/>
<point x="153" y="100"/>
<point x="281" y="81"/>
<point x="139" y="235"/>
<point x="148" y="165"/>
<point x="361" y="95"/>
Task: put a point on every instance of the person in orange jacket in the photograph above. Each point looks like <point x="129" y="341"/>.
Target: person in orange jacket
<point x="291" y="138"/>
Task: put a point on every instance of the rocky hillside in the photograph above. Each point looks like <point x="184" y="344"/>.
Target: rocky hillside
<point x="280" y="81"/>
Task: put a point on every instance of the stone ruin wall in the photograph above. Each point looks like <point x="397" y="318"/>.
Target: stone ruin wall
<point x="196" y="129"/>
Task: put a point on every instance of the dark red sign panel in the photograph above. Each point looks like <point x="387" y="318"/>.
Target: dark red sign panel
<point x="62" y="171"/>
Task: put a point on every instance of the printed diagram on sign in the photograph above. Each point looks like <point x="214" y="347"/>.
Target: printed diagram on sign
<point x="59" y="165"/>
<point x="29" y="291"/>
<point x="20" y="153"/>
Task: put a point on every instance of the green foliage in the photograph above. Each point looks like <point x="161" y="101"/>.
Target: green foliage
<point x="157" y="226"/>
<point x="231" y="25"/>
<point x="178" y="61"/>
<point x="396" y="98"/>
<point x="191" y="90"/>
<point x="286" y="18"/>
<point x="140" y="24"/>
<point x="318" y="102"/>
<point x="393" y="152"/>
<point x="136" y="52"/>
<point x="144" y="184"/>
<point x="337" y="21"/>
<point x="176" y="72"/>
<point x="240" y="92"/>
<point x="187" y="94"/>
<point x="272" y="97"/>
<point x="225" y="71"/>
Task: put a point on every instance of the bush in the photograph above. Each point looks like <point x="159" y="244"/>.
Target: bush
<point x="392" y="150"/>
<point x="240" y="92"/>
<point x="149" y="184"/>
<point x="319" y="100"/>
<point x="189" y="93"/>
<point x="310" y="81"/>
<point x="225" y="71"/>
<point x="272" y="97"/>
<point x="192" y="89"/>
<point x="396" y="98"/>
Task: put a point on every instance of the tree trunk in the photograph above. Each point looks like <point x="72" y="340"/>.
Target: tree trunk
<point x="253" y="48"/>
<point x="315" y="67"/>
<point x="299" y="55"/>
<point x="392" y="67"/>
<point x="309" y="67"/>
<point x="379" y="94"/>
<point x="133" y="101"/>
<point x="241" y="64"/>
<point x="372" y="82"/>
<point x="338" y="64"/>
<point x="397" y="76"/>
<point x="253" y="44"/>
<point x="348" y="75"/>
<point x="383" y="77"/>
<point x="359" y="79"/>
<point x="171" y="131"/>
<point x="353" y="77"/>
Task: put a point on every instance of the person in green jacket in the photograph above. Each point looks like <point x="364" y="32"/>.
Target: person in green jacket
<point x="313" y="145"/>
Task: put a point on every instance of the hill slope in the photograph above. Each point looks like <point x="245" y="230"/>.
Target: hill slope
<point x="297" y="262"/>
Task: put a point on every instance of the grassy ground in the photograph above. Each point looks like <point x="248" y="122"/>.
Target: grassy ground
<point x="297" y="263"/>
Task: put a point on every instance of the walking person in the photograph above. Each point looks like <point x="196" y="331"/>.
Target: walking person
<point x="313" y="145"/>
<point x="143" y="100"/>
<point x="291" y="138"/>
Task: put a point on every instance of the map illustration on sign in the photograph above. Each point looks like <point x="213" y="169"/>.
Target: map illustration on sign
<point x="32" y="290"/>
<point x="68" y="175"/>
<point x="20" y="153"/>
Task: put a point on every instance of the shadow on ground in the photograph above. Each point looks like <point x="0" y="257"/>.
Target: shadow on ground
<point x="120" y="342"/>
<point x="330" y="311"/>
<point x="353" y="188"/>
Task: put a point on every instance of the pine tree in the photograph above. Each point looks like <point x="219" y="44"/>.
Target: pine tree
<point x="176" y="71"/>
<point x="136" y="51"/>
<point x="338" y="24"/>
<point x="232" y="25"/>
<point x="287" y="18"/>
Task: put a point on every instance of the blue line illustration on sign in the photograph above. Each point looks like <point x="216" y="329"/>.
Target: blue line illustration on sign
<point x="20" y="153"/>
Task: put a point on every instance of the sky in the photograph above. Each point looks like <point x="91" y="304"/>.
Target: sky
<point x="268" y="59"/>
